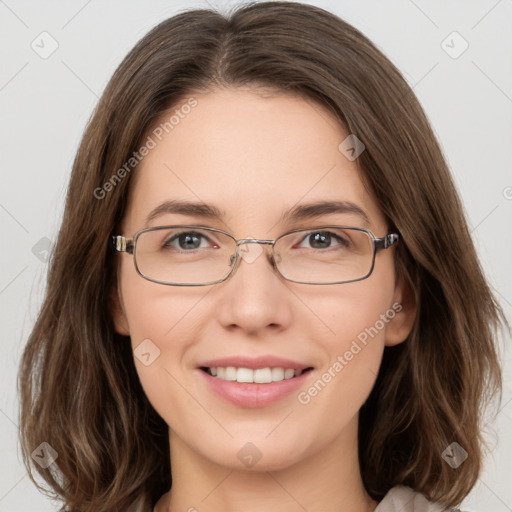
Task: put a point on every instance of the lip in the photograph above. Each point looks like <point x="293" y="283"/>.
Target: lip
<point x="253" y="395"/>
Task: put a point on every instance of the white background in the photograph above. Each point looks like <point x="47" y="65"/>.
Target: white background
<point x="45" y="104"/>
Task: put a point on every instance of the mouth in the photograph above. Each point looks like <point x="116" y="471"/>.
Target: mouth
<point x="251" y="382"/>
<point x="265" y="375"/>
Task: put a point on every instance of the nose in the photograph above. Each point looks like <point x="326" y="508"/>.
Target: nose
<point x="255" y="297"/>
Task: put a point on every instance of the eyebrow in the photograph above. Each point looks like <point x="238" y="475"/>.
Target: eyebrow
<point x="298" y="212"/>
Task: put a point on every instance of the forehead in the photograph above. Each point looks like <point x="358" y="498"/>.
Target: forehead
<point x="250" y="154"/>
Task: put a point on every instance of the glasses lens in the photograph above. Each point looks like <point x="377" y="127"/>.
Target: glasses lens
<point x="184" y="255"/>
<point x="325" y="255"/>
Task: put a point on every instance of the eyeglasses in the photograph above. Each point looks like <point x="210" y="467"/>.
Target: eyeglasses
<point x="198" y="256"/>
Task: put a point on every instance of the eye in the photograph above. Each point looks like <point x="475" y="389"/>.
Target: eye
<point x="325" y="240"/>
<point x="186" y="240"/>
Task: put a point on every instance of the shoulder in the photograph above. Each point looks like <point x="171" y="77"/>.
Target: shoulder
<point x="404" y="499"/>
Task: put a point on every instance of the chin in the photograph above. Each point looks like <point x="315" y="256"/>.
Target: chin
<point x="256" y="453"/>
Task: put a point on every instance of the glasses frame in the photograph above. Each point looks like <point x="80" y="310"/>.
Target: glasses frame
<point x="119" y="243"/>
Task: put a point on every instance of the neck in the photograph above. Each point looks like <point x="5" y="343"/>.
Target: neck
<point x="327" y="481"/>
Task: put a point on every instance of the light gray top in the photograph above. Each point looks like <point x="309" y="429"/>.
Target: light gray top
<point x="404" y="499"/>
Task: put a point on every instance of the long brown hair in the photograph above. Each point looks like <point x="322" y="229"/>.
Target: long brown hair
<point x="79" y="389"/>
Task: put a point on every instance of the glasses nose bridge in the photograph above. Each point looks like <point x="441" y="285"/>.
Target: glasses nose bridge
<point x="254" y="241"/>
<point x="239" y="243"/>
<point x="243" y="241"/>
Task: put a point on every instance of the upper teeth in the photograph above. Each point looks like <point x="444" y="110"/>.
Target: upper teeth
<point x="259" y="376"/>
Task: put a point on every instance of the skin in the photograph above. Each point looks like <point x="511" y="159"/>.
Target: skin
<point x="256" y="155"/>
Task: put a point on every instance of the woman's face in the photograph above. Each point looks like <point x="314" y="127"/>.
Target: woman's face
<point x="254" y="158"/>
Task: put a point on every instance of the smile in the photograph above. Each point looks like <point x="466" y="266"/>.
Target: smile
<point x="258" y="376"/>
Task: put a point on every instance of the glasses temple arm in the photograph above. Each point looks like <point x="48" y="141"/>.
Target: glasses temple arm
<point x="119" y="243"/>
<point x="386" y="241"/>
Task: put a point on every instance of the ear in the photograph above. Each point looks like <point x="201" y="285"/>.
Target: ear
<point x="117" y="312"/>
<point x="404" y="305"/>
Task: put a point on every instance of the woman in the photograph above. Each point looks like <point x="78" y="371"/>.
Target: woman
<point x="264" y="291"/>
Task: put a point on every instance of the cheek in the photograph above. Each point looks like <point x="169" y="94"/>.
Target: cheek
<point x="163" y="323"/>
<point x="356" y="320"/>
<point x="358" y="311"/>
<point x="153" y="310"/>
